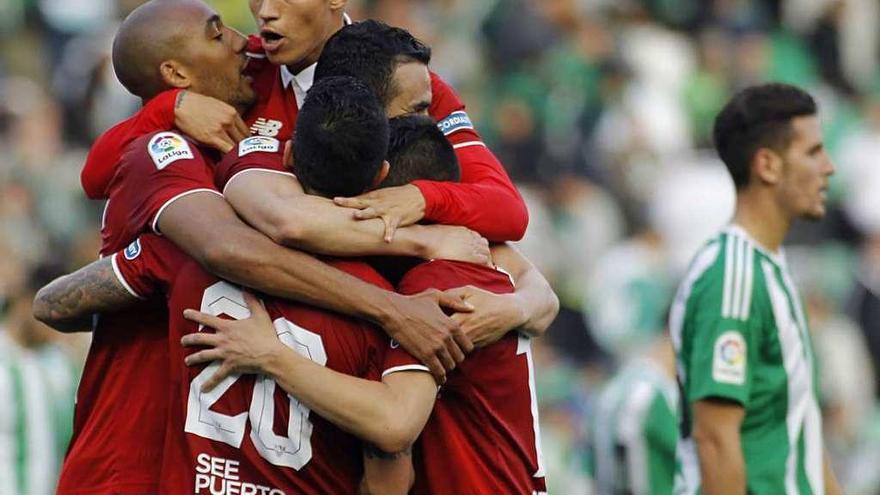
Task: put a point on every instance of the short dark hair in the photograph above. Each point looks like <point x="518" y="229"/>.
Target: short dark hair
<point x="758" y="117"/>
<point x="417" y="149"/>
<point x="341" y="138"/>
<point x="371" y="51"/>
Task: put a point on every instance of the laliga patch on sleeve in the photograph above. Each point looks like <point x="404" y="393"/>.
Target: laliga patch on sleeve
<point x="455" y="122"/>
<point x="729" y="359"/>
<point x="133" y="250"/>
<point x="257" y="143"/>
<point x="167" y="147"/>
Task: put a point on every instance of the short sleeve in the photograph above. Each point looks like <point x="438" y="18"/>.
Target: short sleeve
<point x="253" y="153"/>
<point x="148" y="265"/>
<point x="156" y="171"/>
<point x="722" y="355"/>
<point x="396" y="359"/>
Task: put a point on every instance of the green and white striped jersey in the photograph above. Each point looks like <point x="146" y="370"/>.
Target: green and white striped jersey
<point x="740" y="334"/>
<point x="634" y="432"/>
<point x="37" y="391"/>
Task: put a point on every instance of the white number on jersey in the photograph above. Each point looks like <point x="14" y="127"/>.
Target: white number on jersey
<point x="293" y="450"/>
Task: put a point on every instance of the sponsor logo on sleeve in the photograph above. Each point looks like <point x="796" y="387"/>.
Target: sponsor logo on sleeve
<point x="729" y="359"/>
<point x="455" y="122"/>
<point x="257" y="143"/>
<point x="167" y="147"/>
<point x="133" y="250"/>
<point x="267" y="127"/>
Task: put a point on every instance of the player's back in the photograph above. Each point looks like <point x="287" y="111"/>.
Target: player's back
<point x="483" y="436"/>
<point x="122" y="401"/>
<point x="247" y="434"/>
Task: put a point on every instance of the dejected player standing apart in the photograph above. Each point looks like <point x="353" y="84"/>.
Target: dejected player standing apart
<point x="746" y="365"/>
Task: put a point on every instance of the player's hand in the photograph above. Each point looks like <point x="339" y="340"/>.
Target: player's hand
<point x="240" y="346"/>
<point x="396" y="206"/>
<point x="449" y="242"/>
<point x="494" y="315"/>
<point x="419" y="324"/>
<point x="209" y="121"/>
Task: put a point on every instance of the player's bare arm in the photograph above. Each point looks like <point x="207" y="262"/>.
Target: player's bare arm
<point x="68" y="302"/>
<point x="389" y="414"/>
<point x="395" y="206"/>
<point x="716" y="434"/>
<point x="531" y="309"/>
<point x="387" y="473"/>
<point x="277" y="206"/>
<point x="204" y="226"/>
<point x="209" y="120"/>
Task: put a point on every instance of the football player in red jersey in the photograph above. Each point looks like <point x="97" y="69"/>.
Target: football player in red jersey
<point x="292" y="36"/>
<point x="205" y="445"/>
<point x="164" y="183"/>
<point x="483" y="436"/>
<point x="343" y="401"/>
<point x="394" y="65"/>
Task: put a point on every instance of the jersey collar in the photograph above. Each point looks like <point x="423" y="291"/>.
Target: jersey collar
<point x="778" y="257"/>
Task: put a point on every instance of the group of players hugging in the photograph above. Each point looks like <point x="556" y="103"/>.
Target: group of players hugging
<point x="225" y="359"/>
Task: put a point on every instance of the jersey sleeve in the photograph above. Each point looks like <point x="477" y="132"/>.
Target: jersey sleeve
<point x="722" y="351"/>
<point x="483" y="179"/>
<point x="100" y="166"/>
<point x="396" y="359"/>
<point x="156" y="171"/>
<point x="148" y="265"/>
<point x="253" y="153"/>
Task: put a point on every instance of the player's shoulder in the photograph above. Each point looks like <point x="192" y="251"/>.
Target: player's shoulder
<point x="362" y="270"/>
<point x="726" y="270"/>
<point x="449" y="274"/>
<point x="161" y="148"/>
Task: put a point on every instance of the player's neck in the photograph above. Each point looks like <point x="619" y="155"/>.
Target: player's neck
<point x="760" y="216"/>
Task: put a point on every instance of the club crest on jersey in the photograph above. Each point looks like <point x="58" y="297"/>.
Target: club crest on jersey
<point x="455" y="122"/>
<point x="133" y="250"/>
<point x="267" y="127"/>
<point x="167" y="147"/>
<point x="257" y="143"/>
<point x="729" y="359"/>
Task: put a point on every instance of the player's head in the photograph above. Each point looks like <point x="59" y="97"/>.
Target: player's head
<point x="390" y="60"/>
<point x="181" y="44"/>
<point x="418" y="150"/>
<point x="341" y="139"/>
<point x="294" y="31"/>
<point x="769" y="138"/>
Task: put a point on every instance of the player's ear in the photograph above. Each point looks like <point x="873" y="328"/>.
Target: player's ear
<point x="767" y="166"/>
<point x="381" y="174"/>
<point x="175" y="74"/>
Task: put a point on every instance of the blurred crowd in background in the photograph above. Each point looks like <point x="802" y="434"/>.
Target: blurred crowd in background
<point x="601" y="111"/>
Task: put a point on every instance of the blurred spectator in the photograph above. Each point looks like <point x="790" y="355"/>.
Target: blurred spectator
<point x="636" y="425"/>
<point x="37" y="386"/>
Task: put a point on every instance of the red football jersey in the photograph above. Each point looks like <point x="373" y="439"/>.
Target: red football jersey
<point x="483" y="178"/>
<point x="121" y="406"/>
<point x="483" y="436"/>
<point x="247" y="435"/>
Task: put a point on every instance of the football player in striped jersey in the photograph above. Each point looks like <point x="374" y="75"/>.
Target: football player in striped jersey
<point x="751" y="419"/>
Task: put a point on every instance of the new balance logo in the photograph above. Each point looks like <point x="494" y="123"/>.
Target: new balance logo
<point x="266" y="127"/>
